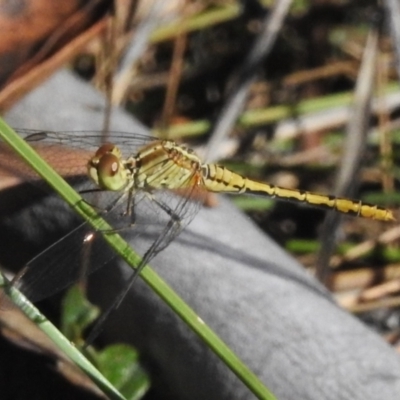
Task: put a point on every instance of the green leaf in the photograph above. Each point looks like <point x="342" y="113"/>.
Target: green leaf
<point x="120" y="364"/>
<point x="77" y="314"/>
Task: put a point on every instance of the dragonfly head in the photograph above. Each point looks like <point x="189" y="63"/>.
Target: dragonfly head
<point x="106" y="168"/>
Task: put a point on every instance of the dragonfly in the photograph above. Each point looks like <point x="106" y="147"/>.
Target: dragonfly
<point x="144" y="187"/>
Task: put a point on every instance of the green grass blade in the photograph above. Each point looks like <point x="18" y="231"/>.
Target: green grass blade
<point x="124" y="250"/>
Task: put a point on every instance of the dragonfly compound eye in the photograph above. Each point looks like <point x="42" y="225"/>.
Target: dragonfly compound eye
<point x="93" y="163"/>
<point x="106" y="168"/>
<point x="111" y="173"/>
<point x="108" y="165"/>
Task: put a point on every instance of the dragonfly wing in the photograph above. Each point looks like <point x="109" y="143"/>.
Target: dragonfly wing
<point x="83" y="250"/>
<point x="64" y="262"/>
<point x="76" y="254"/>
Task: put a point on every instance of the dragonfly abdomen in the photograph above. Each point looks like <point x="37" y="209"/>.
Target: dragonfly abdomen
<point x="347" y="206"/>
<point x="220" y="179"/>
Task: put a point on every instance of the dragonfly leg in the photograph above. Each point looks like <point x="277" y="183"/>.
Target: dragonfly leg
<point x="111" y="206"/>
<point x="130" y="212"/>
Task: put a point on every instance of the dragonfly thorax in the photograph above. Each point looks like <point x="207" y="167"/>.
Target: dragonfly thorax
<point x="166" y="165"/>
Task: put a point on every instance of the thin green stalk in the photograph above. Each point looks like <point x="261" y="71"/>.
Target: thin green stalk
<point x="124" y="250"/>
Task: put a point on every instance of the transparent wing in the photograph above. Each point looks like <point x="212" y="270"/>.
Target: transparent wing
<point x="82" y="251"/>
